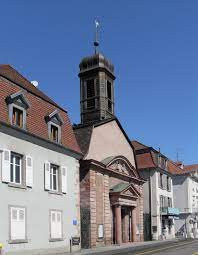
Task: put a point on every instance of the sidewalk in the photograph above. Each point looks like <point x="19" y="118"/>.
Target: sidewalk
<point x="117" y="249"/>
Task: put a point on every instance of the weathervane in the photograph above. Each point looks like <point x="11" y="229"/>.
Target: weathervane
<point x="96" y="42"/>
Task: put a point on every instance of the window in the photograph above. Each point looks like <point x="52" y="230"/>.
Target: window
<point x="160" y="180"/>
<point x="54" y="171"/>
<point x="90" y="94"/>
<point x="17" y="106"/>
<point x="170" y="202"/>
<point x="159" y="160"/>
<point x="15" y="168"/>
<point x="54" y="122"/>
<point x="168" y="183"/>
<point x="54" y="133"/>
<point x="17" y="117"/>
<point x="17" y="223"/>
<point x="56" y="224"/>
<point x="55" y="178"/>
<point x="109" y="95"/>
<point x="161" y="203"/>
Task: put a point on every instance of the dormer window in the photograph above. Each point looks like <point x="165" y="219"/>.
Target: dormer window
<point x="17" y="117"/>
<point x="54" y="133"/>
<point x="17" y="106"/>
<point x="54" y="123"/>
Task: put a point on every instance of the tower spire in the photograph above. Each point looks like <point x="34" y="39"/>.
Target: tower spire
<point x="96" y="41"/>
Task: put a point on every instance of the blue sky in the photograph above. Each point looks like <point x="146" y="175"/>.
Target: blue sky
<point x="153" y="45"/>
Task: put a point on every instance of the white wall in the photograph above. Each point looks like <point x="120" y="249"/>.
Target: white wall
<point x="38" y="201"/>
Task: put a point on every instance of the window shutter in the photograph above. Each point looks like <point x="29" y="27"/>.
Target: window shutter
<point x="29" y="171"/>
<point x="59" y="224"/>
<point x="64" y="179"/>
<point x="47" y="175"/>
<point x="56" y="224"/>
<point x="6" y="166"/>
<point x="17" y="223"/>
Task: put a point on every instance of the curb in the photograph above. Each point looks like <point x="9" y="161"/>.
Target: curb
<point x="131" y="248"/>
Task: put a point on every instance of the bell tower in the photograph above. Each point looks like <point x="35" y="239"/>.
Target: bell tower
<point x="96" y="87"/>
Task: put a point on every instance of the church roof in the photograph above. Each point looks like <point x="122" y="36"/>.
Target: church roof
<point x="96" y="60"/>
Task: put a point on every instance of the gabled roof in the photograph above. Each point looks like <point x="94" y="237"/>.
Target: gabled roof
<point x="15" y="87"/>
<point x="145" y="160"/>
<point x="175" y="169"/>
<point x="146" y="155"/>
<point x="138" y="146"/>
<point x="193" y="167"/>
<point x="12" y="75"/>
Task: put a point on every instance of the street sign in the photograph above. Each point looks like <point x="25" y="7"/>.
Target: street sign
<point x="75" y="240"/>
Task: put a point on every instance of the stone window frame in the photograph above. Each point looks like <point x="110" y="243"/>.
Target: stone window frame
<point x="55" y="239"/>
<point x="17" y="241"/>
<point x="22" y="106"/>
<point x="50" y="120"/>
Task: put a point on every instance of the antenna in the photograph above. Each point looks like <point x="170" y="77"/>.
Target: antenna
<point x="96" y="41"/>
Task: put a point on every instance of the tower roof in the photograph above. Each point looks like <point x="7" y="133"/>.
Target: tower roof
<point x="96" y="61"/>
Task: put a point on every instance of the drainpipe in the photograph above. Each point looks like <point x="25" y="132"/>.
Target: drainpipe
<point x="150" y="201"/>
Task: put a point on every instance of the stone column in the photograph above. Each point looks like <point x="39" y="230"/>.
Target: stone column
<point x="133" y="224"/>
<point x="118" y="224"/>
<point x="126" y="226"/>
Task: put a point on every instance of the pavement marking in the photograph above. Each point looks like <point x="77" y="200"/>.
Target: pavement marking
<point x="165" y="248"/>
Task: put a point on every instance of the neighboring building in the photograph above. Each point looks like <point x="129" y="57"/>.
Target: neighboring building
<point x="111" y="188"/>
<point x="185" y="190"/>
<point x="39" y="173"/>
<point x="159" y="211"/>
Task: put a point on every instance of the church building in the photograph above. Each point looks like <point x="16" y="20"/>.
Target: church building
<point x="111" y="189"/>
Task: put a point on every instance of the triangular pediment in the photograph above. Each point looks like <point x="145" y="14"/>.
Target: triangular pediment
<point x="18" y="99"/>
<point x="130" y="191"/>
<point x="125" y="189"/>
<point x="54" y="117"/>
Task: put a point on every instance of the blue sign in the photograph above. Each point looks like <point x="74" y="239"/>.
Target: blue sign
<point x="75" y="222"/>
<point x="173" y="211"/>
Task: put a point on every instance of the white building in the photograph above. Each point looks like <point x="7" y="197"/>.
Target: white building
<point x="159" y="210"/>
<point x="185" y="188"/>
<point x="39" y="170"/>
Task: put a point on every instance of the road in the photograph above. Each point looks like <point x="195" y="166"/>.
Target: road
<point x="183" y="248"/>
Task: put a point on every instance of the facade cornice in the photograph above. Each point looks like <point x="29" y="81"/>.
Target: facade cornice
<point x="29" y="137"/>
<point x="93" y="162"/>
